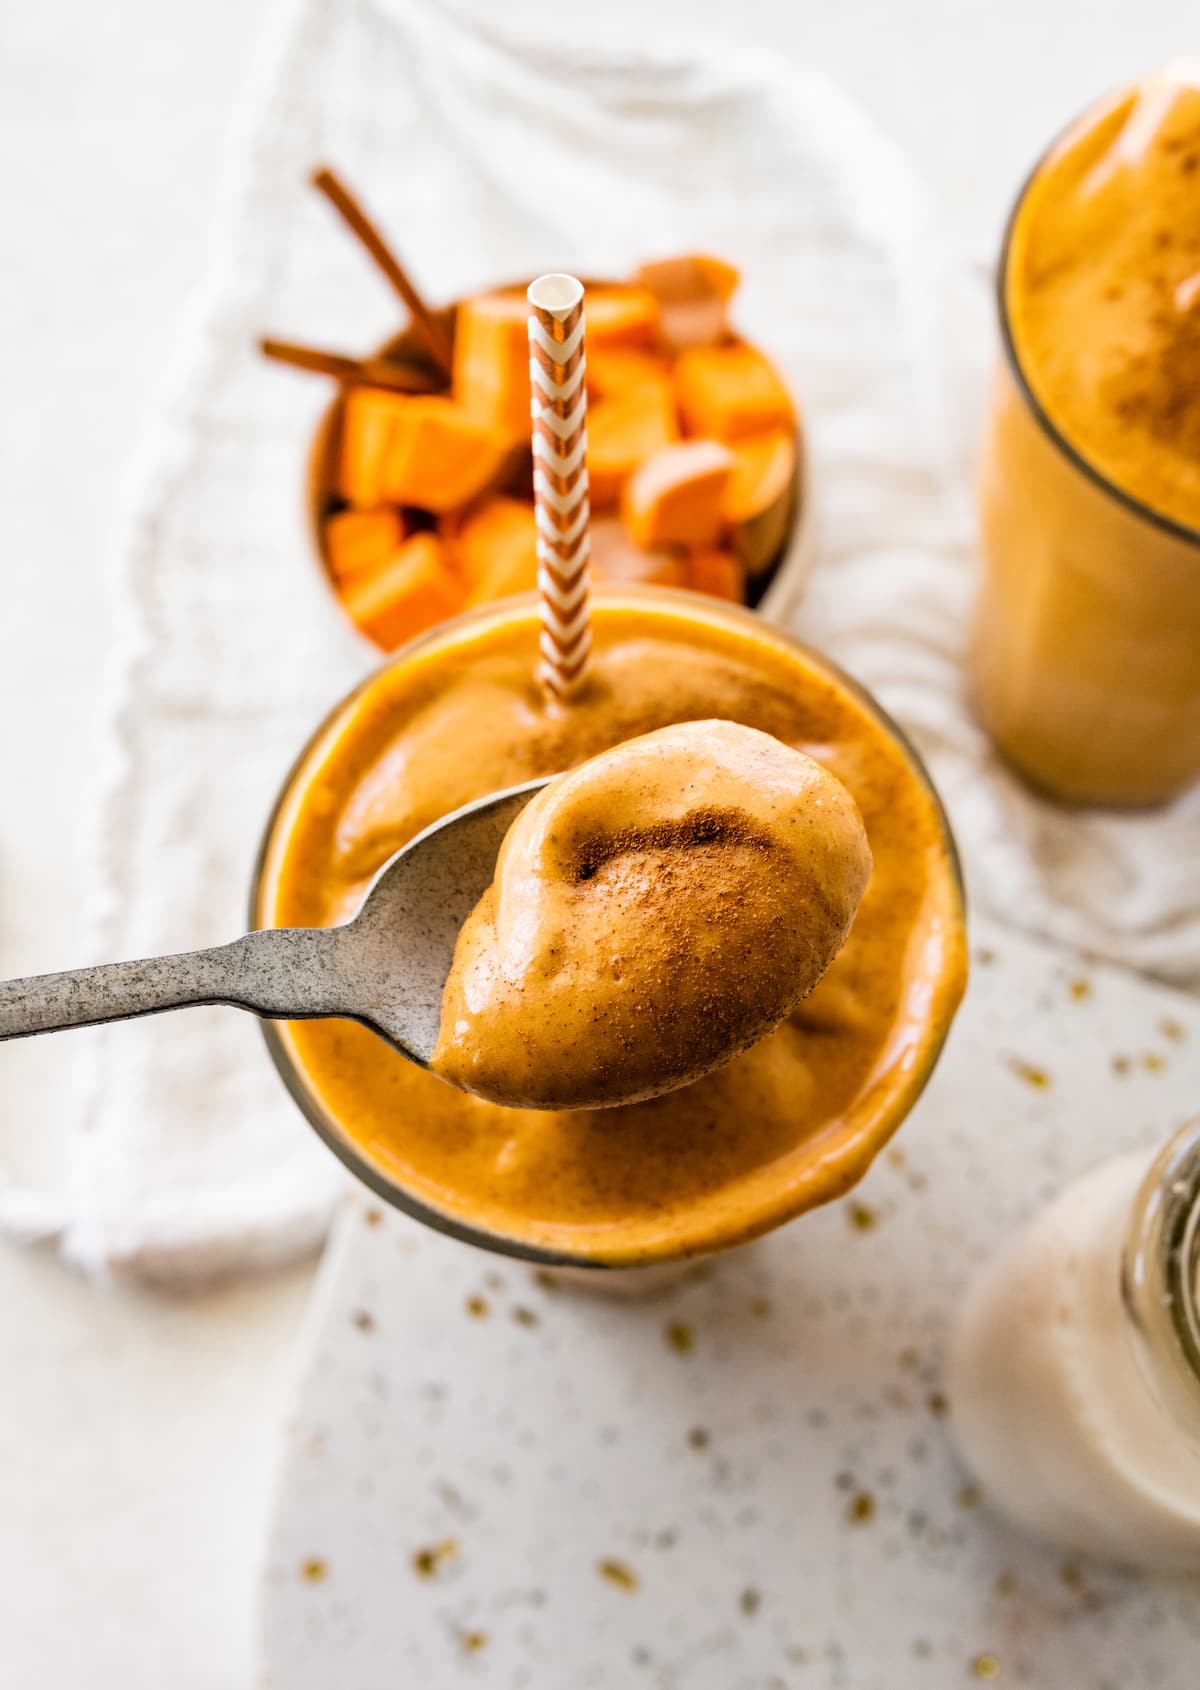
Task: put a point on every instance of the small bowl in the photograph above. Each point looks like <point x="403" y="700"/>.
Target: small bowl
<point x="787" y="530"/>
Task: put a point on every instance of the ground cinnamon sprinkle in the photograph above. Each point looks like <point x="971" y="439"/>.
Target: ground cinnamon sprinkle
<point x="679" y="877"/>
<point x="626" y="948"/>
<point x="1104" y="296"/>
<point x="702" y="826"/>
<point x="1159" y="389"/>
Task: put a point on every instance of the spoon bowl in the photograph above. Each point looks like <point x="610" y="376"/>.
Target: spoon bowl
<point x="425" y="893"/>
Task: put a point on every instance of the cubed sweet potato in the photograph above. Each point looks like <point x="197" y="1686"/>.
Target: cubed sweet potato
<point x="763" y="468"/>
<point x="369" y="418"/>
<point x="613" y="371"/>
<point x="677" y="496"/>
<point x="615" y="558"/>
<point x="693" y="293"/>
<point x="357" y="541"/>
<point x="689" y="275"/>
<point x="411" y="592"/>
<point x="620" y="316"/>
<point x="440" y="455"/>
<point x="716" y="573"/>
<point x="491" y="360"/>
<point x="495" y="549"/>
<point x="622" y="432"/>
<point x="728" y="392"/>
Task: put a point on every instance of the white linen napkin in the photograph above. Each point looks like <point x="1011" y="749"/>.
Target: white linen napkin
<point x="489" y="151"/>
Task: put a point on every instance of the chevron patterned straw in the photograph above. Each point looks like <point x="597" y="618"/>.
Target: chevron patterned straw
<point x="560" y="482"/>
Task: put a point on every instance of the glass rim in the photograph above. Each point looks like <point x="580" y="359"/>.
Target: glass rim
<point x="1160" y="1274"/>
<point x="1091" y="472"/>
<point x="348" y="1152"/>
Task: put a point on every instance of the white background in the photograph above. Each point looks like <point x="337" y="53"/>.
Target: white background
<point x="136" y="1435"/>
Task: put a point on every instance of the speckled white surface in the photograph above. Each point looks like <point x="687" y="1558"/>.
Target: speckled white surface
<point x="744" y="1482"/>
<point x="116" y="115"/>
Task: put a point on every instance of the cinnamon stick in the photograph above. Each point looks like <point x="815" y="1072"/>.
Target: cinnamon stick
<point x="432" y="332"/>
<point x="351" y="372"/>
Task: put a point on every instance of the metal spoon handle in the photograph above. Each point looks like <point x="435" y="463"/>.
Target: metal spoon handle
<point x="281" y="973"/>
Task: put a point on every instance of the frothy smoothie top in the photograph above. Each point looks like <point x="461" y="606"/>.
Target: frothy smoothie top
<point x="1103" y="289"/>
<point x="794" y="1119"/>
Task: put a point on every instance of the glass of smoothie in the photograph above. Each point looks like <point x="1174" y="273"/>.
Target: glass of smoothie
<point x="793" y="1121"/>
<point x="1087" y="637"/>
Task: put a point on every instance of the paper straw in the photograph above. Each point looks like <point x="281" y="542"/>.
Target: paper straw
<point x="560" y="482"/>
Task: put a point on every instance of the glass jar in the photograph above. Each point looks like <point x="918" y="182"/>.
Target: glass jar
<point x="1074" y="1372"/>
<point x="900" y="1070"/>
<point x="1086" y="648"/>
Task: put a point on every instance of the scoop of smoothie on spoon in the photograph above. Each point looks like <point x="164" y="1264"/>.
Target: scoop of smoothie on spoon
<point x="593" y="939"/>
<point x="654" y="912"/>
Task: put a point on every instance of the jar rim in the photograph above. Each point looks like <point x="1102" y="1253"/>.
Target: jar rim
<point x="1160" y="1274"/>
<point x="1090" y="471"/>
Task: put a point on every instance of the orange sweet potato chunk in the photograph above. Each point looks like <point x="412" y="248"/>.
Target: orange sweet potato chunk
<point x="620" y="316"/>
<point x="616" y="370"/>
<point x="616" y="558"/>
<point x="727" y="392"/>
<point x="622" y="432"/>
<point x="762" y="472"/>
<point x="358" y="541"/>
<point x="495" y="548"/>
<point x="693" y="293"/>
<point x="491" y="360"/>
<point x="677" y="496"/>
<point x="439" y="455"/>
<point x="690" y="275"/>
<point x="411" y="592"/>
<point x="369" y="419"/>
<point x="718" y="574"/>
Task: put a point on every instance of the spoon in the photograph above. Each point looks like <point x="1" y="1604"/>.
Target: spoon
<point x="386" y="967"/>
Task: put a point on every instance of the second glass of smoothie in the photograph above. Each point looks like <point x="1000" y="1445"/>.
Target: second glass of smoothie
<point x="793" y="1121"/>
<point x="1087" y="639"/>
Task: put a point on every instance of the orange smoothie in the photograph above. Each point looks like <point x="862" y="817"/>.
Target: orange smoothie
<point x="1088" y="631"/>
<point x="795" y="1119"/>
